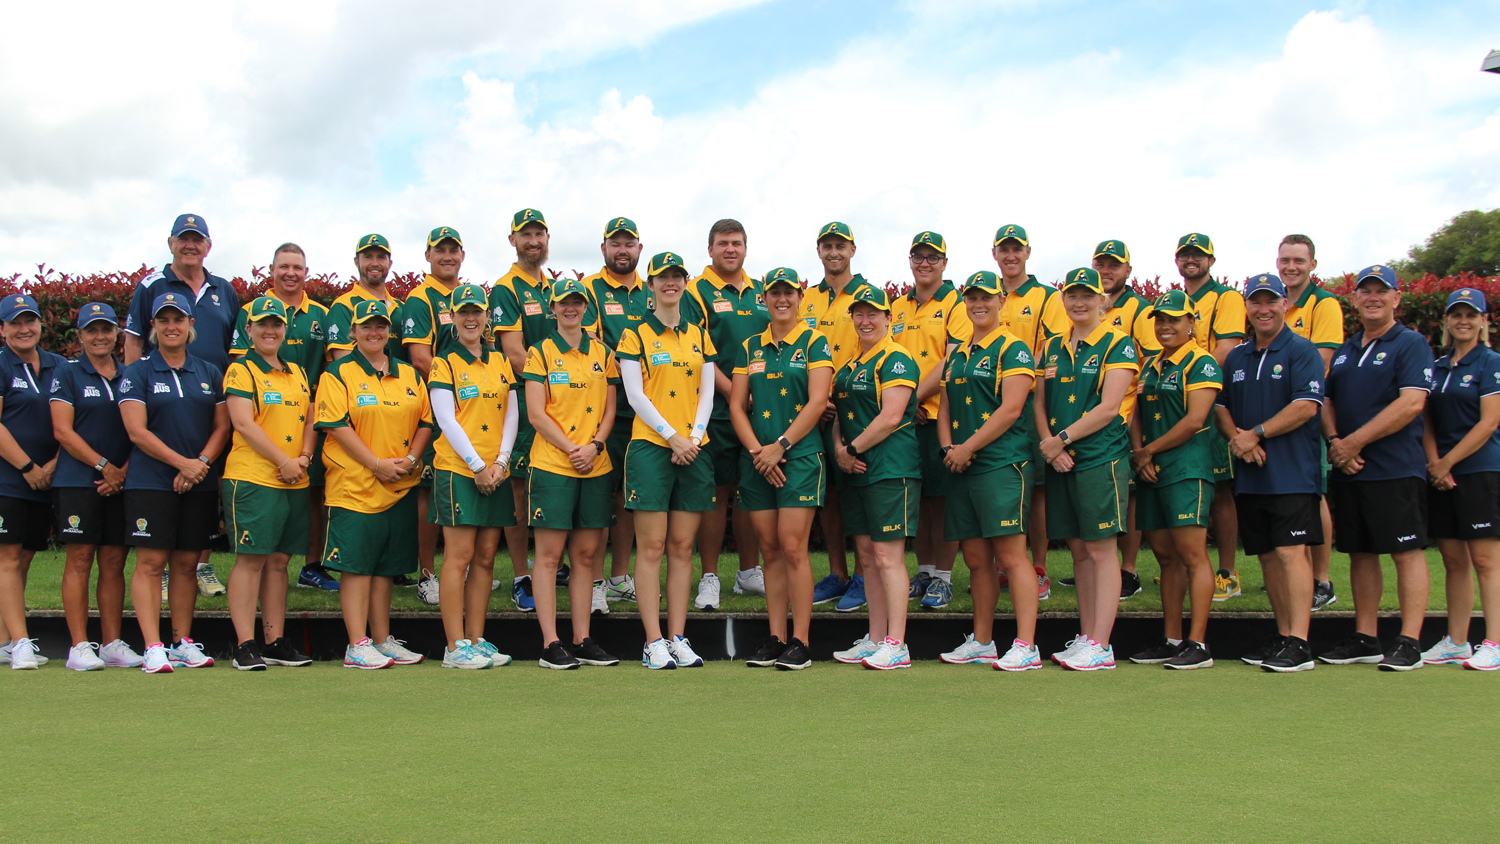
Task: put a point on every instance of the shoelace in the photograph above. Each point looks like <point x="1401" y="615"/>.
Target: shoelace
<point x="93" y="647"/>
<point x="209" y="577"/>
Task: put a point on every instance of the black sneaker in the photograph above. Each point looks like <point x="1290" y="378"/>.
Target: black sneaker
<point x="766" y="655"/>
<point x="281" y="652"/>
<point x="564" y="574"/>
<point x="1157" y="653"/>
<point x="1356" y="648"/>
<point x="1267" y="649"/>
<point x="1068" y="581"/>
<point x="1130" y="584"/>
<point x="589" y="653"/>
<point x="1294" y="656"/>
<point x="1191" y="655"/>
<point x="247" y="657"/>
<point x="1406" y="655"/>
<point x="557" y="655"/>
<point x="404" y="580"/>
<point x="1323" y="595"/>
<point x="794" y="657"/>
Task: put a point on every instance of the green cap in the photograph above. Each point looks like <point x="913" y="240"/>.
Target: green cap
<point x="1197" y="241"/>
<point x="874" y="296"/>
<point x="1011" y="232"/>
<point x="836" y="229"/>
<point x="1083" y="277"/>
<point x="565" y="287"/>
<point x="615" y="226"/>
<point x="370" y="309"/>
<point x="373" y="241"/>
<point x="664" y="261"/>
<point x="526" y="216"/>
<point x="1173" y="303"/>
<point x="266" y="306"/>
<point x="1114" y="249"/>
<point x="442" y="233"/>
<point x="468" y="294"/>
<point x="783" y="275"/>
<point x="983" y="280"/>
<point x="932" y="239"/>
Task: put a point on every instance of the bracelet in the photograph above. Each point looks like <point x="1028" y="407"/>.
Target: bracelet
<point x="376" y="466"/>
<point x="283" y="463"/>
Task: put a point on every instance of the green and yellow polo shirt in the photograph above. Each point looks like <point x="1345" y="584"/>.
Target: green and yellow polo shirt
<point x="671" y="372"/>
<point x="614" y="307"/>
<point x="925" y="330"/>
<point x="339" y="331"/>
<point x="778" y="382"/>
<point x="282" y="402"/>
<point x="1032" y="313"/>
<point x="578" y="382"/>
<point x="1317" y="316"/>
<point x="857" y="396"/>
<point x="1131" y="315"/>
<point x="828" y="311"/>
<point x="730" y="316"/>
<point x="427" y="318"/>
<point x="481" y="388"/>
<point x="1219" y="312"/>
<point x="303" y="344"/>
<point x="972" y="381"/>
<point x="1165" y="383"/>
<point x="1075" y="385"/>
<point x="385" y="409"/>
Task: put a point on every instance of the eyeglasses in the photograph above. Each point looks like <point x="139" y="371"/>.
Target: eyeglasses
<point x="927" y="259"/>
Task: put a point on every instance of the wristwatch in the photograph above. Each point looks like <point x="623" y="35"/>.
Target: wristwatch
<point x="945" y="449"/>
<point x="1063" y="435"/>
<point x="1259" y="431"/>
<point x="784" y="442"/>
<point x="599" y="446"/>
<point x="30" y="464"/>
<point x="851" y="451"/>
<point x="206" y="461"/>
<point x="103" y="461"/>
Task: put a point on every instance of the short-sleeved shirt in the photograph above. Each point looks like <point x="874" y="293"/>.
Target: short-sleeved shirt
<point x="519" y="302"/>
<point x="1219" y="312"/>
<point x="482" y="390"/>
<point x="180" y="406"/>
<point x="1131" y="314"/>
<point x="1317" y="316"/>
<point x="972" y="380"/>
<point x="385" y="410"/>
<point x="1166" y="381"/>
<point x="282" y="399"/>
<point x="27" y="415"/>
<point x="671" y="372"/>
<point x="1258" y="384"/>
<point x="613" y="307"/>
<point x="339" y="332"/>
<point x="96" y="418"/>
<point x="858" y="393"/>
<point x="1454" y="405"/>
<point x="926" y="329"/>
<point x="577" y="383"/>
<point x="215" y="307"/>
<point x="731" y="317"/>
<point x="777" y="373"/>
<point x="1075" y="385"/>
<point x="305" y="338"/>
<point x="426" y="318"/>
<point x="827" y="311"/>
<point x="1033" y="313"/>
<point x="1364" y="380"/>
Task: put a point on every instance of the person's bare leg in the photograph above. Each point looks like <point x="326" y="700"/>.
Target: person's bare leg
<point x="749" y="547"/>
<point x="1458" y="586"/>
<point x="711" y="531"/>
<point x="458" y="555"/>
<point x="317" y="526"/>
<point x="477" y="584"/>
<point x="1413" y="586"/>
<point x="1367" y="582"/>
<point x="1485" y="554"/>
<point x="354" y="604"/>
<point x="864" y="549"/>
<point x="795" y="525"/>
<point x="833" y="535"/>
<point x="1102" y="554"/>
<point x="381" y="589"/>
<point x="1130" y="543"/>
<point x="1084" y="586"/>
<point x="145" y="591"/>
<point x="650" y="545"/>
<point x="1296" y="575"/>
<point x="1322" y="555"/>
<point x="682" y="528"/>
<point x="584" y="549"/>
<point x="428" y="535"/>
<point x="273" y="586"/>
<point x="1025" y="592"/>
<point x="1174" y="582"/>
<point x="621" y="538"/>
<point x="767" y="530"/>
<point x="182" y="591"/>
<point x="78" y="565"/>
<point x="1192" y="550"/>
<point x="984" y="586"/>
<point x="1225" y="521"/>
<point x="110" y="591"/>
<point x="890" y="562"/>
<point x="549" y="550"/>
<point x="1036" y="530"/>
<point x="515" y="537"/>
<point x="1277" y="589"/>
<point x="244" y="591"/>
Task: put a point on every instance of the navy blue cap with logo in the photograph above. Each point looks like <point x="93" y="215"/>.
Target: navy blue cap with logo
<point x="1467" y="296"/>
<point x="1381" y="273"/>
<point x="189" y="223"/>
<point x="95" y="311"/>
<point x="1265" y="281"/>
<point x="171" y="300"/>
<point x="17" y="304"/>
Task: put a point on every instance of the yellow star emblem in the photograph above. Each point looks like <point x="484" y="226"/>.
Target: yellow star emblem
<point x="783" y="391"/>
<point x="1072" y="399"/>
<point x="1158" y="417"/>
<point x="797" y="408"/>
<point x="851" y="414"/>
<point x="766" y="414"/>
<point x="968" y="399"/>
<point x="984" y="416"/>
<point x="955" y="424"/>
<point x="1052" y="421"/>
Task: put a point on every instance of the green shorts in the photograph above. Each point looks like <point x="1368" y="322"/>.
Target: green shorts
<point x="806" y="480"/>
<point x="653" y="482"/>
<point x="266" y="520"/>
<point x="615" y="446"/>
<point x="457" y="502"/>
<point x="985" y="504"/>
<point x="935" y="473"/>
<point x="1179" y="504"/>
<point x="1223" y="465"/>
<point x="520" y="451"/>
<point x="1088" y="503"/>
<point x="428" y="458"/>
<point x="563" y="502"/>
<point x="725" y="448"/>
<point x="883" y="510"/>
<point x="380" y="544"/>
<point x="1323" y="474"/>
<point x="835" y="477"/>
<point x="315" y="468"/>
<point x="1038" y="463"/>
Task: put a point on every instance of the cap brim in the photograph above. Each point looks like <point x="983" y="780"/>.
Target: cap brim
<point x="1481" y="307"/>
<point x="432" y="243"/>
<point x="1122" y="260"/>
<point x="1086" y="286"/>
<point x="24" y="310"/>
<point x="180" y="232"/>
<point x="1208" y="252"/>
<point x="96" y="318"/>
<point x="369" y="317"/>
<point x="385" y="249"/>
<point x="980" y="288"/>
<point x="176" y="308"/>
<point x="839" y="235"/>
<point x="1167" y="312"/>
<point x="612" y="232"/>
<point x="1021" y="240"/>
<point x="795" y="285"/>
<point x="1373" y="277"/>
<point x="266" y="315"/>
<point x="1249" y="293"/>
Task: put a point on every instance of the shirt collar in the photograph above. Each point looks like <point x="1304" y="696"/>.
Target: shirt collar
<point x="988" y="338"/>
<point x="610" y="280"/>
<point x="850" y="288"/>
<point x="466" y="357"/>
<point x="306" y="300"/>
<point x="1279" y="341"/>
<point x="790" y="338"/>
<point x="262" y="364"/>
<point x="159" y="363"/>
<point x="660" y="327"/>
<point x="369" y="368"/>
<point x="885" y="343"/>
<point x="1307" y="294"/>
<point x="1176" y="357"/>
<point x="1474" y="356"/>
<point x="1209" y="286"/>
<point x="1392" y="334"/>
<point x="1097" y="334"/>
<point x="713" y="277"/>
<point x="516" y="270"/>
<point x="562" y="345"/>
<point x="88" y="366"/>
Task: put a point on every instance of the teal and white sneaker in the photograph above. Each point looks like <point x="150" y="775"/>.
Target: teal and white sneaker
<point x="1485" y="658"/>
<point x="657" y="656"/>
<point x="1091" y="657"/>
<point x="939" y="594"/>
<point x="683" y="653"/>
<point x="620" y="589"/>
<point x="81" y="657"/>
<point x="1447" y="652"/>
<point x="1070" y="648"/>
<point x="863" y="647"/>
<point x="889" y="656"/>
<point x="970" y="652"/>
<point x="156" y="660"/>
<point x="361" y="654"/>
<point x="189" y="654"/>
<point x="497" y="659"/>
<point x="1021" y="657"/>
<point x="465" y="655"/>
<point x="117" y="654"/>
<point x="393" y="648"/>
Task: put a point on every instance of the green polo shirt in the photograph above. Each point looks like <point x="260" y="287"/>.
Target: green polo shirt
<point x="857" y="396"/>
<point x="1165" y="383"/>
<point x="612" y="309"/>
<point x="1075" y="385"/>
<point x="778" y="382"/>
<point x="339" y="332"/>
<point x="972" y="380"/>
<point x="730" y="317"/>
<point x="426" y="318"/>
<point x="304" y="341"/>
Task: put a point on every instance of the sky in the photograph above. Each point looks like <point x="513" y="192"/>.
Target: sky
<point x="1365" y="125"/>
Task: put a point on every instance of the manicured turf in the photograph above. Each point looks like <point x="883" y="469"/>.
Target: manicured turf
<point x="726" y="753"/>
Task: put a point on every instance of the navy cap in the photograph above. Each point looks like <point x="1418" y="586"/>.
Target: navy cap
<point x="1379" y="272"/>
<point x="17" y="304"/>
<point x="1265" y="281"/>
<point x="171" y="300"/>
<point x="189" y="223"/>
<point x="95" y="311"/>
<point x="1467" y="296"/>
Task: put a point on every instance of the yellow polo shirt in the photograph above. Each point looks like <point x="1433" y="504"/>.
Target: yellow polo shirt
<point x="1220" y="314"/>
<point x="672" y="371"/>
<point x="481" y="392"/>
<point x="1032" y="313"/>
<point x="926" y="329"/>
<point x="385" y="410"/>
<point x="1130" y="316"/>
<point x="578" y="382"/>
<point x="828" y="312"/>
<point x="1317" y="316"/>
<point x="281" y="408"/>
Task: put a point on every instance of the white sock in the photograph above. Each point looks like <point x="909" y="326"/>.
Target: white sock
<point x="616" y="581"/>
<point x="945" y="576"/>
<point x="930" y="571"/>
<point x="1173" y="642"/>
<point x="523" y="577"/>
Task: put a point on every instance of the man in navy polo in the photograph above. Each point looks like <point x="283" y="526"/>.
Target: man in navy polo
<point x="215" y="304"/>
<point x="1377" y="387"/>
<point x="1268" y="411"/>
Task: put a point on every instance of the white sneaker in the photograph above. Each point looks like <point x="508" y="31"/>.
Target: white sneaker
<point x="494" y="584"/>
<point x="708" y="593"/>
<point x="1486" y="657"/>
<point x="1070" y="648"/>
<point x="163" y="587"/>
<point x="156" y="660"/>
<point x="208" y="581"/>
<point x="1447" y="652"/>
<point x="427" y="589"/>
<point x="392" y="647"/>
<point x="23" y="654"/>
<point x="81" y="657"/>
<point x="1020" y="657"/>
<point x="750" y="582"/>
<point x="970" y="651"/>
<point x="361" y="654"/>
<point x="890" y="655"/>
<point x="497" y="659"/>
<point x="5" y="654"/>
<point x="622" y="591"/>
<point x="465" y="656"/>
<point x="863" y="647"/>
<point x="683" y="654"/>
<point x="657" y="656"/>
<point x="599" y="604"/>
<point x="117" y="654"/>
<point x="189" y="654"/>
<point x="1091" y="657"/>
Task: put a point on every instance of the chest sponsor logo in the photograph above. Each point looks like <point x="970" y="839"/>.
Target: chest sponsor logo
<point x="1276" y="372"/>
<point x="445" y="318"/>
<point x="661" y="359"/>
<point x="1380" y="358"/>
<point x="91" y="393"/>
<point x="897" y="329"/>
<point x="161" y="388"/>
<point x="365" y="400"/>
<point x="557" y="378"/>
<point x="270" y="398"/>
<point x="861" y="380"/>
<point x="614" y="309"/>
<point x="757" y="367"/>
<point x="532" y="308"/>
<point x="1025" y="311"/>
<point x="597" y="369"/>
<point x="723" y="307"/>
<point x="1049" y="372"/>
<point x="468" y="392"/>
<point x="798" y="360"/>
<point x="1466" y="381"/>
<point x="18" y="383"/>
<point x="1170" y="382"/>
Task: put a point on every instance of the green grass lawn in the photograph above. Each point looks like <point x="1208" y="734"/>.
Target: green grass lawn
<point x="726" y="753"/>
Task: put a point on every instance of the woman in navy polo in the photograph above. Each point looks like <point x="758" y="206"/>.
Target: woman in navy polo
<point x="28" y="456"/>
<point x="86" y="491"/>
<point x="1463" y="466"/>
<point x="172" y="404"/>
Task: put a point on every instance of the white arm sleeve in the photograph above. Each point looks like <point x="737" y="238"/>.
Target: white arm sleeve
<point x="444" y="411"/>
<point x="705" y="401"/>
<point x="508" y="433"/>
<point x="635" y="391"/>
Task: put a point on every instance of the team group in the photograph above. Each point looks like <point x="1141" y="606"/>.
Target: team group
<point x="617" y="412"/>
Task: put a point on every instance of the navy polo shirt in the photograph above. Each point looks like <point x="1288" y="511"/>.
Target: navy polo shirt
<point x="1363" y="381"/>
<point x="27" y="415"/>
<point x="96" y="418"/>
<point x="1454" y="404"/>
<point x="215" y="308"/>
<point x="179" y="411"/>
<point x="1258" y="384"/>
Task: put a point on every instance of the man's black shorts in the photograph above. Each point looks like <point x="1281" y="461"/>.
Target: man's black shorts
<point x="25" y="522"/>
<point x="156" y="518"/>
<point x="1379" y="517"/>
<point x="84" y="517"/>
<point x="1268" y="522"/>
<point x="1471" y="510"/>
